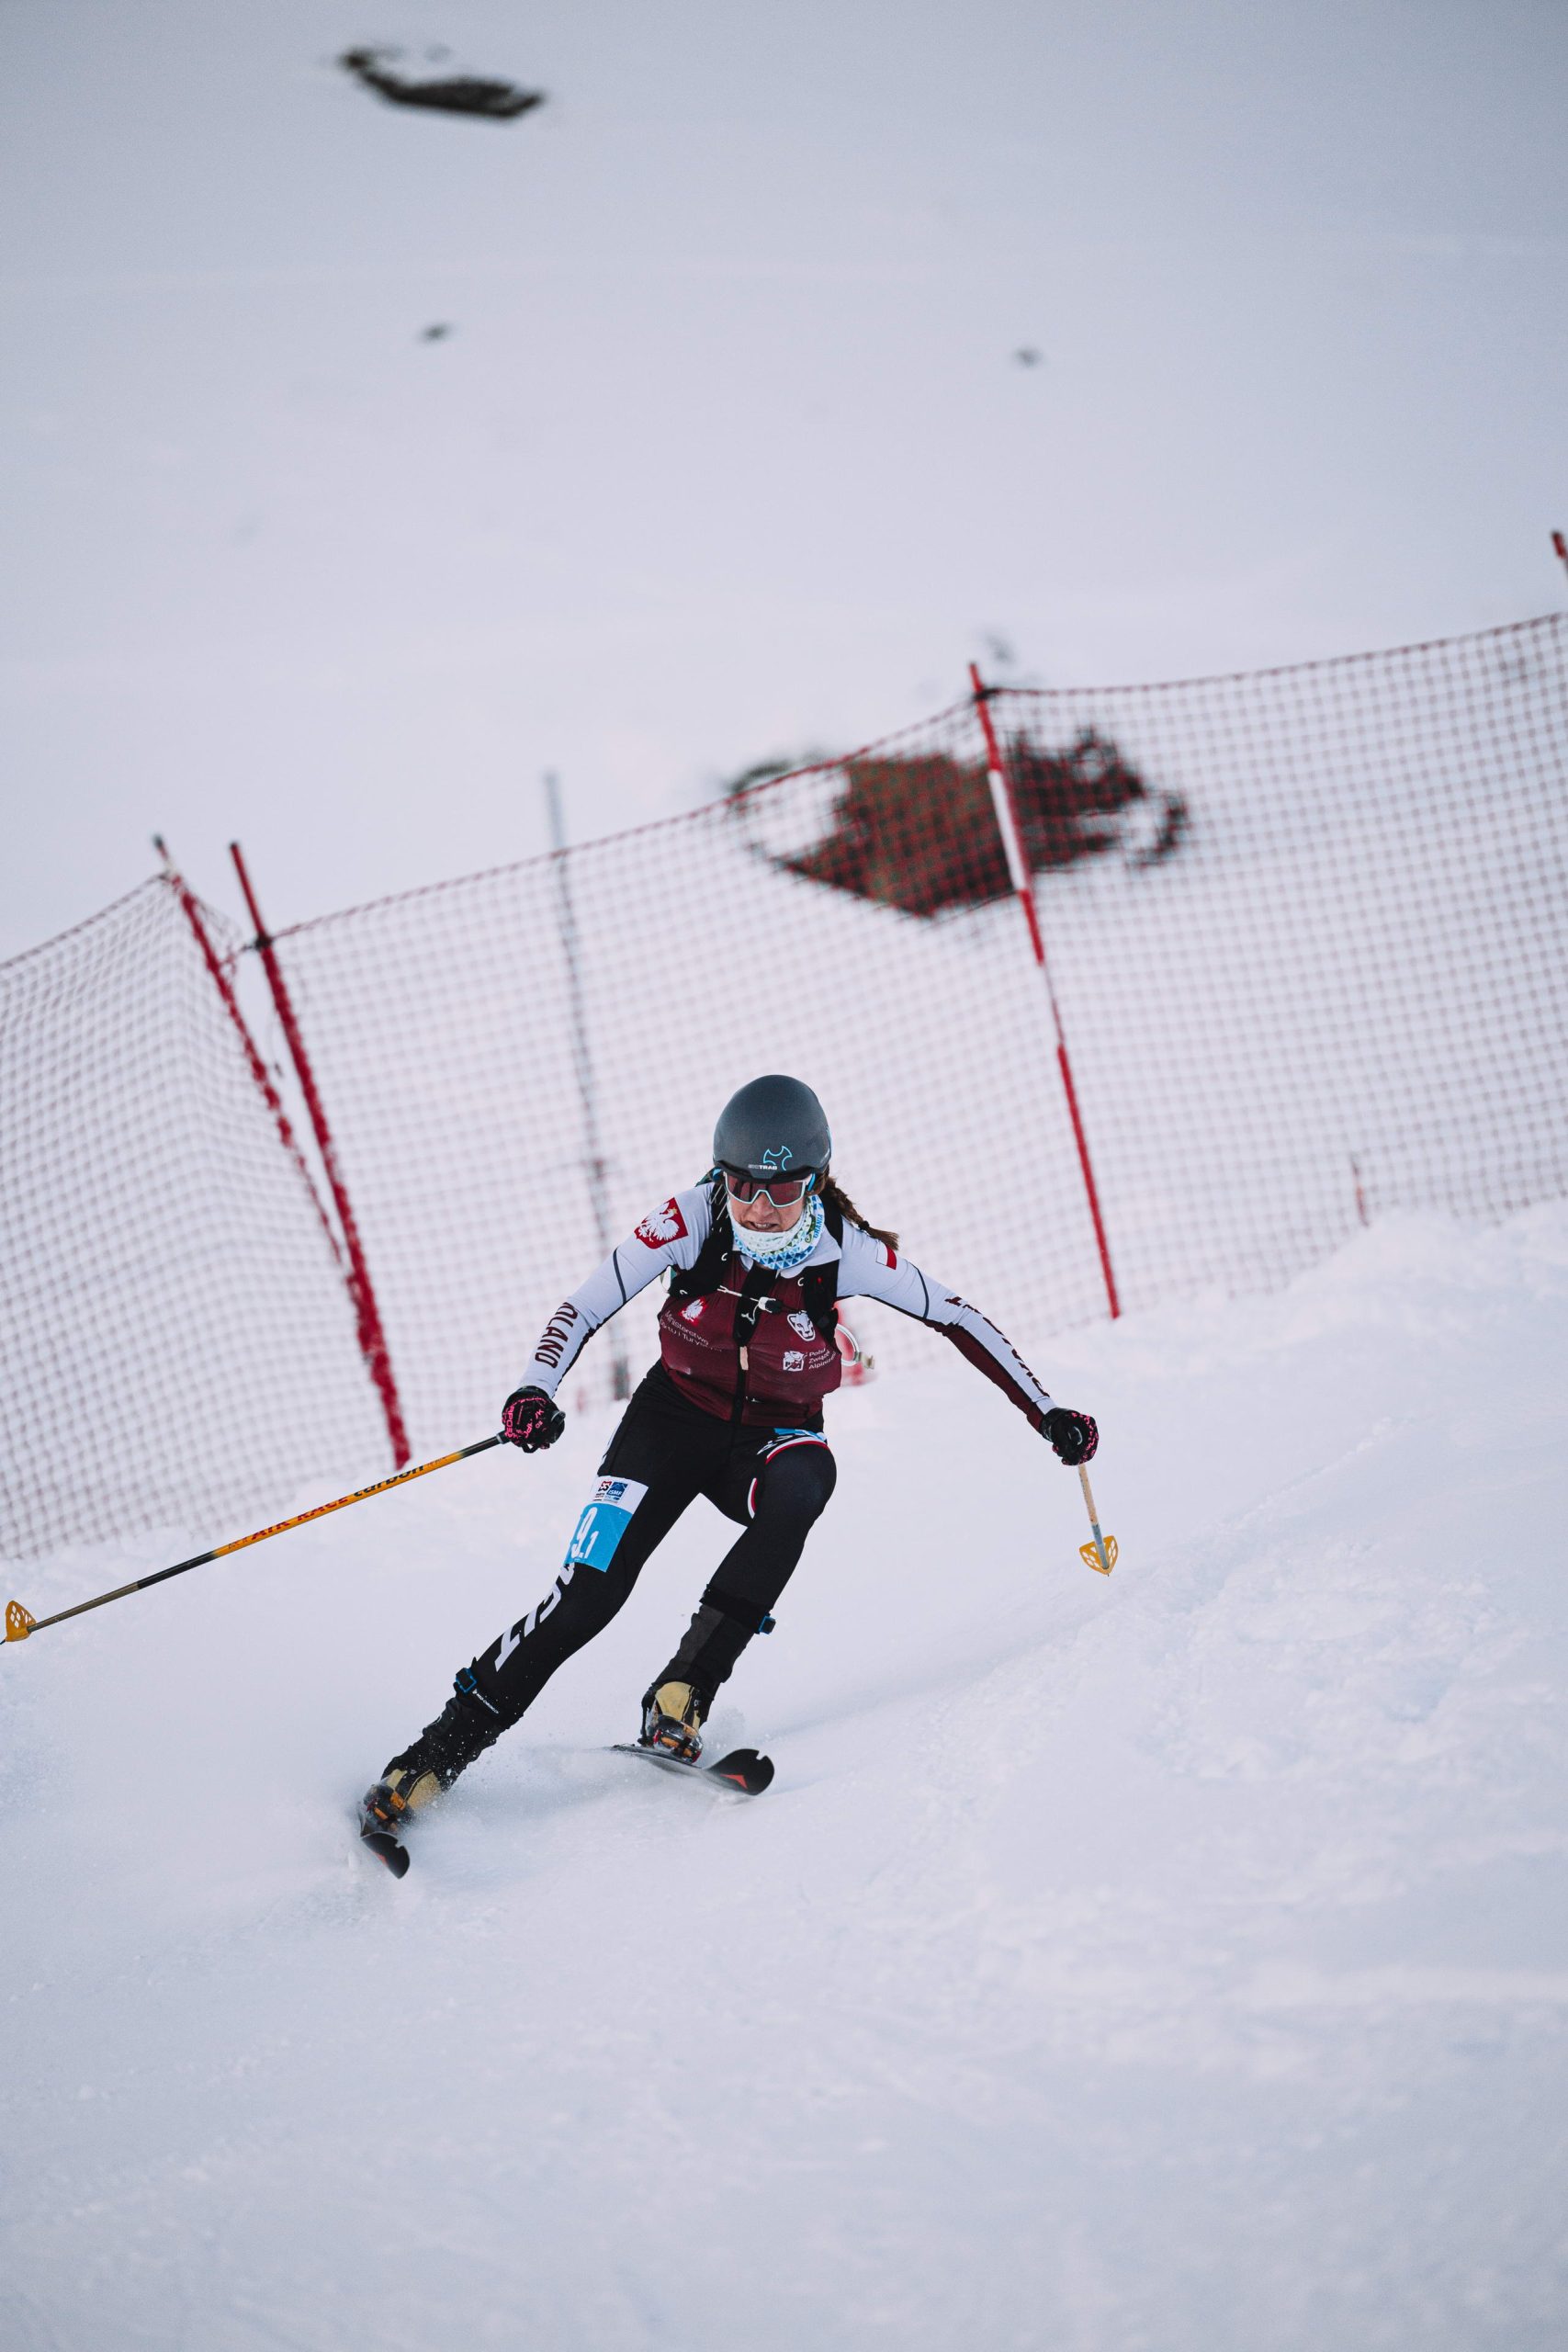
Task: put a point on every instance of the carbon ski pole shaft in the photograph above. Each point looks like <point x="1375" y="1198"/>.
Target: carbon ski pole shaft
<point x="20" y="1622"/>
<point x="1101" y="1554"/>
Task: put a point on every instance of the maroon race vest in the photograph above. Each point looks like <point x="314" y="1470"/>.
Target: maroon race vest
<point x="746" y="1345"/>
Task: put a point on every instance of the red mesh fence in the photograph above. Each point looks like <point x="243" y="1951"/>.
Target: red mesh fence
<point x="1343" y="991"/>
<point x="1305" y="930"/>
<point x="175" y="1337"/>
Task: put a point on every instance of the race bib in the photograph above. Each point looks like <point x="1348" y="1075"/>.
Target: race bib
<point x="604" y="1521"/>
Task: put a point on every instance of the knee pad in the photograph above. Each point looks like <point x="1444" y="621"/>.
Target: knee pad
<point x="796" y="1476"/>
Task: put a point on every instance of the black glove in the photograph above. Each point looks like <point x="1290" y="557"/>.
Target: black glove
<point x="530" y="1420"/>
<point x="1074" y="1435"/>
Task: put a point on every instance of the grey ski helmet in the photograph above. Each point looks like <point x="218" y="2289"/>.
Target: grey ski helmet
<point x="774" y="1126"/>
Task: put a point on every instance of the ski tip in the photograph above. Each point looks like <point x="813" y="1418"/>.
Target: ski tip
<point x="745" y="1768"/>
<point x="385" y="1849"/>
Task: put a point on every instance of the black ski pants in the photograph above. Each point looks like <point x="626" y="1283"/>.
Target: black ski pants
<point x="773" y="1483"/>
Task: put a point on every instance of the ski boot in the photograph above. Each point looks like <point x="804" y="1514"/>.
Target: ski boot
<point x="385" y="1805"/>
<point x="417" y="1776"/>
<point x="672" y="1720"/>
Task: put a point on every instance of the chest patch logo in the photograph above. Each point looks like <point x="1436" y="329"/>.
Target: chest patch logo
<point x="793" y="1361"/>
<point x="690" y="1314"/>
<point x="800" y="1321"/>
<point x="661" y="1226"/>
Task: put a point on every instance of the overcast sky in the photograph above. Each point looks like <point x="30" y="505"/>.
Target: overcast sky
<point x="727" y="452"/>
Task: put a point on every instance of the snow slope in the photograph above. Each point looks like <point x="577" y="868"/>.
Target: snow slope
<point x="1169" y="1964"/>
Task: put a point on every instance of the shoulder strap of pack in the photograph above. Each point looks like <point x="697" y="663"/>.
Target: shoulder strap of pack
<point x="756" y="1286"/>
<point x="707" y="1271"/>
<point x="819" y="1284"/>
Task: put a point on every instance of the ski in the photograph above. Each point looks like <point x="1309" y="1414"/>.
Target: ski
<point x="382" y="1843"/>
<point x="377" y="1839"/>
<point x="742" y="1769"/>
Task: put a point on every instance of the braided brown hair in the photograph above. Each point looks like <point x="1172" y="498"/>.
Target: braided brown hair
<point x="835" y="1197"/>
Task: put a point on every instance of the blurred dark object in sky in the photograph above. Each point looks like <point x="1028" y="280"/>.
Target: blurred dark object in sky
<point x="918" y="831"/>
<point x="451" y="94"/>
<point x="436" y="333"/>
<point x="1027" y="357"/>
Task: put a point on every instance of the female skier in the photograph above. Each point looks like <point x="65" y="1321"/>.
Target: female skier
<point x="757" y="1256"/>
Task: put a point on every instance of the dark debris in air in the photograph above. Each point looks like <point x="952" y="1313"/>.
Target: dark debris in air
<point x="493" y="101"/>
<point x="436" y="333"/>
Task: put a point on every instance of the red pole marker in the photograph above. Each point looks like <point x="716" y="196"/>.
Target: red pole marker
<point x="191" y="907"/>
<point x="1023" y="883"/>
<point x="372" y="1336"/>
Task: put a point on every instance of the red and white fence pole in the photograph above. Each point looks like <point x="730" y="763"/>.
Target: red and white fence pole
<point x="190" y="906"/>
<point x="1023" y="886"/>
<point x="368" y="1315"/>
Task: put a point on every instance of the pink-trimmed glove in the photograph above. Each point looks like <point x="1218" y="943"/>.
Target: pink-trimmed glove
<point x="1073" y="1435"/>
<point x="530" y="1420"/>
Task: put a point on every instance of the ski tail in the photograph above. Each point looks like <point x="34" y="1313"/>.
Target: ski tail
<point x="386" y="1848"/>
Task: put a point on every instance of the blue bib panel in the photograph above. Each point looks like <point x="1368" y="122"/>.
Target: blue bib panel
<point x="603" y="1521"/>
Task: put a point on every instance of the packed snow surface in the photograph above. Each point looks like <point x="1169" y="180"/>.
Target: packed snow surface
<point x="1178" y="1962"/>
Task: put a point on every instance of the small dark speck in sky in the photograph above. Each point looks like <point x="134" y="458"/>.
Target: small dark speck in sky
<point x="1027" y="357"/>
<point x="436" y="333"/>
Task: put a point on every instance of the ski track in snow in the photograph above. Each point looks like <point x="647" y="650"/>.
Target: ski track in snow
<point x="1172" y="1963"/>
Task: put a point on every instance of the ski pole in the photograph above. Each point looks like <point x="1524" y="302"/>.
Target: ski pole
<point x="20" y="1622"/>
<point x="1101" y="1554"/>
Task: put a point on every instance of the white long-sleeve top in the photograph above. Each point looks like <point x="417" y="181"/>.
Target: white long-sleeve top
<point x="670" y="1237"/>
